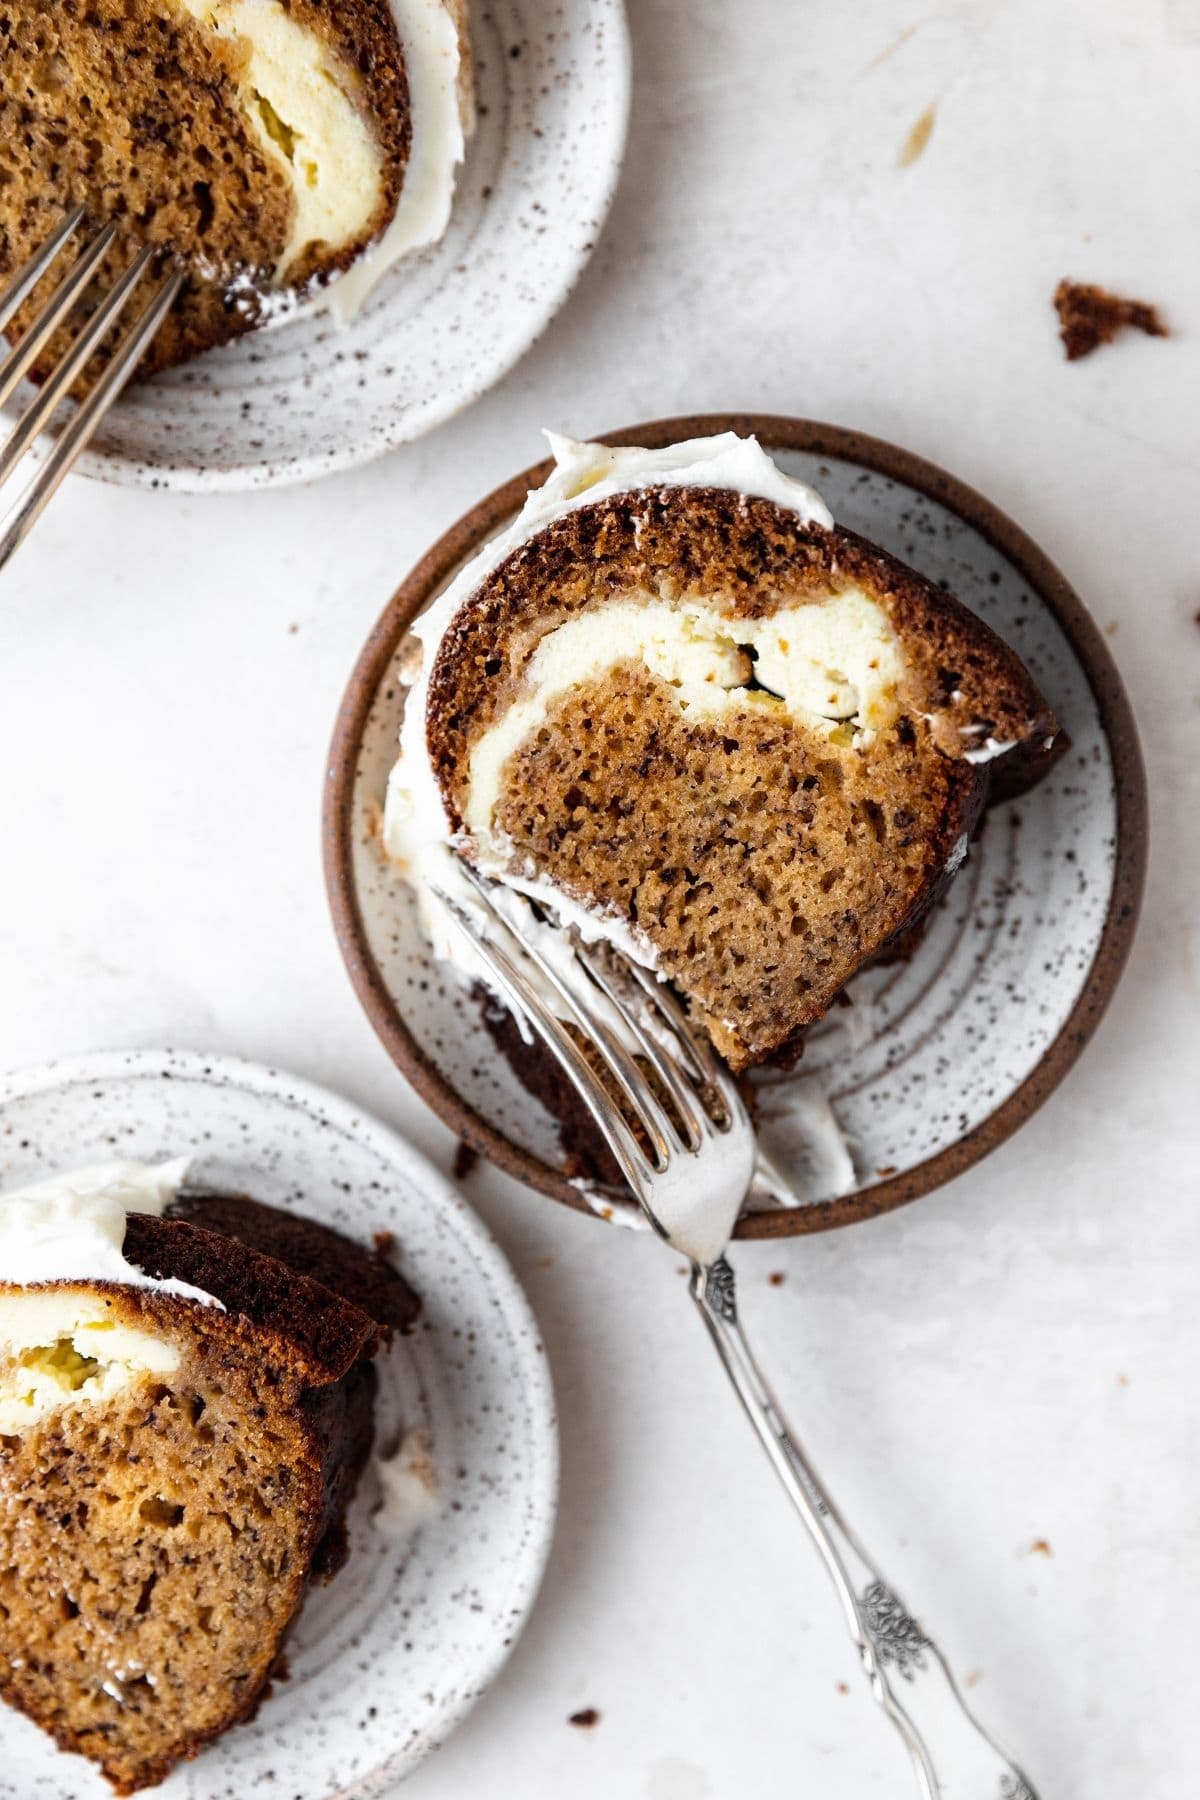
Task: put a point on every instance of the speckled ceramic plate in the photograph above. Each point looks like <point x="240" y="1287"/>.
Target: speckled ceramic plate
<point x="388" y="1658"/>
<point x="309" y="397"/>
<point x="938" y="1059"/>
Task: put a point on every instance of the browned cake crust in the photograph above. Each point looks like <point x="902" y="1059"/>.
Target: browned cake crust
<point x="764" y="864"/>
<point x="130" y="108"/>
<point x="361" y="1276"/>
<point x="162" y="1542"/>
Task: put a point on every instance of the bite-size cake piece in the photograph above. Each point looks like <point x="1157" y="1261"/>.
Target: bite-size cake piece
<point x="186" y="1403"/>
<point x="266" y="147"/>
<point x="681" y="709"/>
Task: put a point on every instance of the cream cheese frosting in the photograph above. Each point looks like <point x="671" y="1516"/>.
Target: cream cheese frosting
<point x="409" y="1491"/>
<point x="72" y="1227"/>
<point x="59" y="1344"/>
<point x="298" y="98"/>
<point x="830" y="662"/>
<point x="432" y="36"/>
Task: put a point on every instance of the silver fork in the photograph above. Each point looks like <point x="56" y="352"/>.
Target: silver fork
<point x="702" y="1144"/>
<point x="77" y="433"/>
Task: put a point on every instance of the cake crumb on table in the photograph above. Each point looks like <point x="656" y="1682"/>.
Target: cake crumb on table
<point x="777" y="1278"/>
<point x="465" y="1159"/>
<point x="1040" y="1547"/>
<point x="1090" y="316"/>
<point x="585" y="1719"/>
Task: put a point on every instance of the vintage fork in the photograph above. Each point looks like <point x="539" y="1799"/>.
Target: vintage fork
<point x="701" y="1143"/>
<point x="77" y="433"/>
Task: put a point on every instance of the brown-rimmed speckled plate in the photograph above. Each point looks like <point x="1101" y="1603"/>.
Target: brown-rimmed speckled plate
<point x="937" y="1060"/>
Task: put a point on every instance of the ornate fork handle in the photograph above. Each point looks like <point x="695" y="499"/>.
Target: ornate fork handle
<point x="950" y="1750"/>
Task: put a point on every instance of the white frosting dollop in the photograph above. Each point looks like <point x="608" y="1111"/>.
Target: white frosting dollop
<point x="408" y="1489"/>
<point x="72" y="1227"/>
<point x="799" y="1132"/>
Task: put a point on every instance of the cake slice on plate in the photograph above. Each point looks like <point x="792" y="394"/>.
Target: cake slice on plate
<point x="681" y="709"/>
<point x="186" y="1403"/>
<point x="266" y="146"/>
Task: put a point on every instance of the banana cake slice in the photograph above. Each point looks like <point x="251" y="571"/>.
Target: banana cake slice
<point x="186" y="1402"/>
<point x="681" y="709"/>
<point x="267" y="147"/>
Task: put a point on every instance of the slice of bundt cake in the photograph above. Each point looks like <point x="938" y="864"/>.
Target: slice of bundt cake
<point x="681" y="709"/>
<point x="263" y="145"/>
<point x="185" y="1406"/>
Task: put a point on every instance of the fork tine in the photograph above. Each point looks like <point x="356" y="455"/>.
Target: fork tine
<point x="74" y="437"/>
<point x="56" y="311"/>
<point x="707" y="1066"/>
<point x="54" y="390"/>
<point x="657" y="1124"/>
<point x="527" y="1003"/>
<point x="683" y="1096"/>
<point x="31" y="272"/>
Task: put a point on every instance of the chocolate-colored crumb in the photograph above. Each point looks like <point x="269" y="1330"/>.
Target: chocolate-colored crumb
<point x="1090" y="316"/>
<point x="465" y="1159"/>
<point x="585" y="1719"/>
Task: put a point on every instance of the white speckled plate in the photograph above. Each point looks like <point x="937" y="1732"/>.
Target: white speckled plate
<point x="939" y="1058"/>
<point x="309" y="397"/>
<point x="388" y="1658"/>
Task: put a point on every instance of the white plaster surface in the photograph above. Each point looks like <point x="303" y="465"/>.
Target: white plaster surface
<point x="1007" y="1361"/>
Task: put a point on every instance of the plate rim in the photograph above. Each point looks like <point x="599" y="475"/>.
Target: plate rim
<point x="776" y="431"/>
<point x="115" y="469"/>
<point x="536" y="1383"/>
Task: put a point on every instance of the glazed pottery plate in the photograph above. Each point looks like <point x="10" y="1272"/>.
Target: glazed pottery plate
<point x="935" y="1060"/>
<point x="310" y="396"/>
<point x="387" y="1658"/>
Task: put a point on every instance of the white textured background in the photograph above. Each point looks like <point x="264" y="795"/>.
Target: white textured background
<point x="1009" y="1360"/>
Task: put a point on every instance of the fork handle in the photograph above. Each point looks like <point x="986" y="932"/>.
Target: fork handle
<point x="951" y="1753"/>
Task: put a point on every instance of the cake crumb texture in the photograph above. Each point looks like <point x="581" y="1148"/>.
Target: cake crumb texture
<point x="762" y="855"/>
